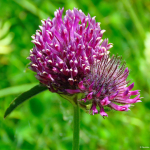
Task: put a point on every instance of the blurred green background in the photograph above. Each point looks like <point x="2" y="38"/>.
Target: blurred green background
<point x="45" y="121"/>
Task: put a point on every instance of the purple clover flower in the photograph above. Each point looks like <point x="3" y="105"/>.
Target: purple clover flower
<point x="66" y="48"/>
<point x="70" y="57"/>
<point x="106" y="85"/>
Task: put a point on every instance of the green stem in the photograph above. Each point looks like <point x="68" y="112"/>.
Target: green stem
<point x="76" y="127"/>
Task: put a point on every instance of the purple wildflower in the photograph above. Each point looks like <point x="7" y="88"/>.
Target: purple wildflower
<point x="106" y="85"/>
<point x="65" y="49"/>
<point x="70" y="57"/>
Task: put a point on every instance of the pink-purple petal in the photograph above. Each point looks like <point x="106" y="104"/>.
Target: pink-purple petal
<point x="105" y="101"/>
<point x="89" y="96"/>
<point x="120" y="108"/>
<point x="81" y="86"/>
<point x="72" y="91"/>
<point x="93" y="108"/>
<point x="102" y="112"/>
<point x="113" y="95"/>
<point x="130" y="87"/>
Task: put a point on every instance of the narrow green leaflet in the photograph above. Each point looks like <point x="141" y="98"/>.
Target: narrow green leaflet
<point x="23" y="97"/>
<point x="16" y="89"/>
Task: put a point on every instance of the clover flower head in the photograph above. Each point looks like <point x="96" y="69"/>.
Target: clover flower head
<point x="65" y="48"/>
<point x="106" y="86"/>
<point x="70" y="57"/>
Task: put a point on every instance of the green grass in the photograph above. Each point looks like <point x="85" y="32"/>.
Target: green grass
<point x="45" y="121"/>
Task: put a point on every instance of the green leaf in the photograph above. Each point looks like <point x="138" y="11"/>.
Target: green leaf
<point x="16" y="89"/>
<point x="23" y="97"/>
